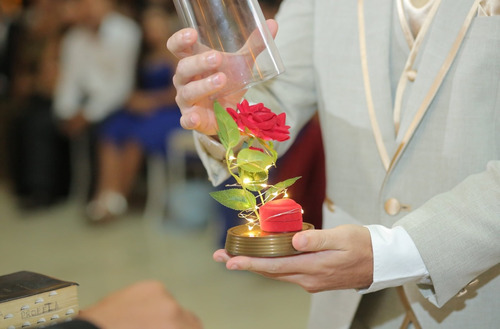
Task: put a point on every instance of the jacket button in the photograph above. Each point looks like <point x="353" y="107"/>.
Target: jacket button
<point x="411" y="75"/>
<point x="392" y="206"/>
<point x="462" y="292"/>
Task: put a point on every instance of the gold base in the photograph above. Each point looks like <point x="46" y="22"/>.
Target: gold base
<point x="242" y="240"/>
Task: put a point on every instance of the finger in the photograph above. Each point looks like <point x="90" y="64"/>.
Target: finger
<point x="221" y="256"/>
<point x="197" y="65"/>
<point x="315" y="240"/>
<point x="181" y="43"/>
<point x="273" y="27"/>
<point x="302" y="280"/>
<point x="343" y="237"/>
<point x="256" y="42"/>
<point x="200" y="119"/>
<point x="304" y="263"/>
<point x="199" y="90"/>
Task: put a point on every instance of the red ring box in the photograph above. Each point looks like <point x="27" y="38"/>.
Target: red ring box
<point x="282" y="215"/>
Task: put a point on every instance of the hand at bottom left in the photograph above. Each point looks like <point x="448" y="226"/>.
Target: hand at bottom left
<point x="145" y="305"/>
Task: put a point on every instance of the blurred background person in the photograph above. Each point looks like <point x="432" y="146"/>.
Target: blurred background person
<point x="98" y="59"/>
<point x="142" y="126"/>
<point x="39" y="155"/>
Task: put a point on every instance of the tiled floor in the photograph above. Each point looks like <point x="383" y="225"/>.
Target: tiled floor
<point x="58" y="242"/>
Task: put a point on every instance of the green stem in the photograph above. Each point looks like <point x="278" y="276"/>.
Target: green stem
<point x="238" y="180"/>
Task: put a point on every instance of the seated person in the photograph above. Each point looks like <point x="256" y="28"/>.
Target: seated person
<point x="142" y="126"/>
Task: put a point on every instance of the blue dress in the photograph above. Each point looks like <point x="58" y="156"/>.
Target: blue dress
<point x="149" y="130"/>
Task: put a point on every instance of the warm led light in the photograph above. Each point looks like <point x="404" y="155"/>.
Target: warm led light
<point x="232" y="158"/>
<point x="267" y="168"/>
<point x="286" y="195"/>
<point x="247" y="180"/>
<point x="263" y="185"/>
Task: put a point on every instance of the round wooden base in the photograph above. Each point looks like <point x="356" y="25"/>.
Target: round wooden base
<point x="244" y="240"/>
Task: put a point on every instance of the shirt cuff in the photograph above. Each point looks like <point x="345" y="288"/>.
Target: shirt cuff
<point x="396" y="259"/>
<point x="212" y="155"/>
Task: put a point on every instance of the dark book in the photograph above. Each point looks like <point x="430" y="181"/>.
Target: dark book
<point x="32" y="300"/>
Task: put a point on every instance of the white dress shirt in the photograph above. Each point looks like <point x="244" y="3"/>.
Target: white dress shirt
<point x="98" y="69"/>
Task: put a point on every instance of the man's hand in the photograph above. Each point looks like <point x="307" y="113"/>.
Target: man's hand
<point x="339" y="258"/>
<point x="145" y="305"/>
<point x="198" y="77"/>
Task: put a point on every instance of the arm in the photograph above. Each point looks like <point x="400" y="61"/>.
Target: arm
<point x="464" y="225"/>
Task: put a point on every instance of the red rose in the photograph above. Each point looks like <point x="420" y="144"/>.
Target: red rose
<point x="260" y="121"/>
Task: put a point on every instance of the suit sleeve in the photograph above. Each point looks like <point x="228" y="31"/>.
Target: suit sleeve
<point x="457" y="233"/>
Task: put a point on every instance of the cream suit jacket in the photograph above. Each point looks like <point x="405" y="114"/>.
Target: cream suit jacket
<point x="441" y="171"/>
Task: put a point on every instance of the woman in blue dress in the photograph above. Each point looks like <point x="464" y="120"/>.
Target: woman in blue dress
<point x="142" y="126"/>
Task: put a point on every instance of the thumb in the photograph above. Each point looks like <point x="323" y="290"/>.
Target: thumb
<point x="314" y="240"/>
<point x="256" y="43"/>
<point x="273" y="27"/>
<point x="343" y="237"/>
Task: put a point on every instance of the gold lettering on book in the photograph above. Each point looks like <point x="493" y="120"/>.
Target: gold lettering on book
<point x="39" y="310"/>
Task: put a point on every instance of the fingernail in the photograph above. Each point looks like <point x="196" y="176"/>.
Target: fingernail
<point x="219" y="259"/>
<point x="187" y="122"/>
<point x="211" y="59"/>
<point x="234" y="267"/>
<point x="187" y="35"/>
<point x="193" y="120"/>
<point x="300" y="241"/>
<point x="215" y="80"/>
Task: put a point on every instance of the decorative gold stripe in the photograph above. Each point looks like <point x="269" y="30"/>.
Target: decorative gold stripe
<point x="330" y="205"/>
<point x="382" y="150"/>
<point x="435" y="85"/>
<point x="403" y="80"/>
<point x="404" y="24"/>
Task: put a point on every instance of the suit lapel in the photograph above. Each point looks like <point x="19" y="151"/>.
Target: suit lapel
<point x="375" y="28"/>
<point x="432" y="63"/>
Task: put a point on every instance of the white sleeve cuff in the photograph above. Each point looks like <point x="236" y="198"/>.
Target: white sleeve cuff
<point x="212" y="155"/>
<point x="396" y="259"/>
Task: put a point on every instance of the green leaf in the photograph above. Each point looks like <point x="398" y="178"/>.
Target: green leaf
<point x="228" y="132"/>
<point x="237" y="199"/>
<point x="281" y="186"/>
<point x="274" y="154"/>
<point x="253" y="160"/>
<point x="253" y="181"/>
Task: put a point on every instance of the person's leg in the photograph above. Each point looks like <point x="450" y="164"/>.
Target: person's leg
<point x="131" y="160"/>
<point x="110" y="167"/>
<point x="108" y="200"/>
<point x="109" y="196"/>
